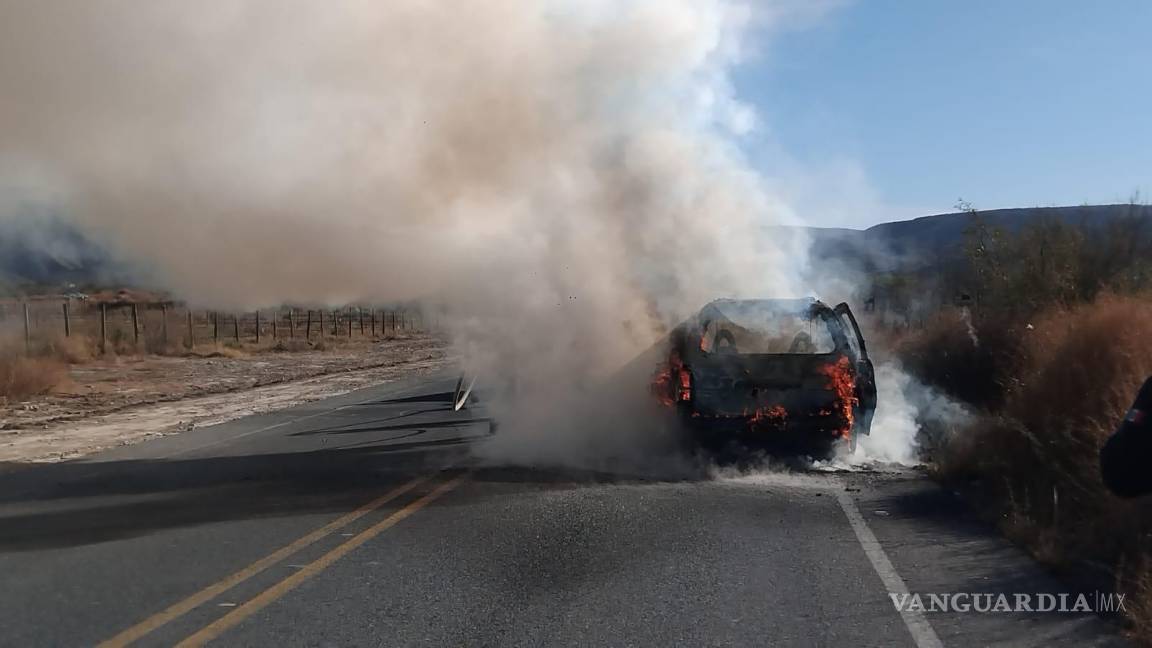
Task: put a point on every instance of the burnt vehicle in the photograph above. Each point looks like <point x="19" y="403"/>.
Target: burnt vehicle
<point x="788" y="375"/>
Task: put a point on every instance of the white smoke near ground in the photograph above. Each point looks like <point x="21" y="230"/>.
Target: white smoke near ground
<point x="894" y="427"/>
<point x="910" y="417"/>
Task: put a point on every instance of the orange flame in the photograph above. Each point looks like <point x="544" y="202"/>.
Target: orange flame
<point x="774" y="413"/>
<point x="672" y="382"/>
<point x="767" y="417"/>
<point x="842" y="380"/>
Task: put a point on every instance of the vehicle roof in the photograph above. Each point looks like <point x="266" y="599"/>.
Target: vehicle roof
<point x="800" y="305"/>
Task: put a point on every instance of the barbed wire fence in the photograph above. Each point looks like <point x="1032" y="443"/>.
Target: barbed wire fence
<point x="160" y="327"/>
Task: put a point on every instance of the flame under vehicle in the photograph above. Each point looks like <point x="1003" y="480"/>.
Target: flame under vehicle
<point x="788" y="375"/>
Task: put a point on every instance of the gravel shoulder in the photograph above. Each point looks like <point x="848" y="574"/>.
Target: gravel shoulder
<point x="123" y="400"/>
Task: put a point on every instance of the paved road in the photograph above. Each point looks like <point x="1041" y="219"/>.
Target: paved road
<point x="364" y="520"/>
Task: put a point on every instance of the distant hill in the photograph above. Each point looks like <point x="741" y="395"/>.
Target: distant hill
<point x="925" y="240"/>
<point x="47" y="251"/>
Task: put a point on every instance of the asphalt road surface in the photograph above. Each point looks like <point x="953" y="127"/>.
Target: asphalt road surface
<point x="366" y="520"/>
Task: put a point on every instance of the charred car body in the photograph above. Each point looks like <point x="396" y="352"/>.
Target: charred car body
<point x="790" y="375"/>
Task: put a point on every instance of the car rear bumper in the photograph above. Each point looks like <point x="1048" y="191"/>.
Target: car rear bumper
<point x="793" y="432"/>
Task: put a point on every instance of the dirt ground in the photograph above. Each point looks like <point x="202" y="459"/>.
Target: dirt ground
<point x="121" y="400"/>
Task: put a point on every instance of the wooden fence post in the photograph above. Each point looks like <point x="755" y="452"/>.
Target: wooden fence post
<point x="67" y="322"/>
<point x="27" y="331"/>
<point x="349" y="323"/>
<point x="103" y="328"/>
<point x="135" y="325"/>
<point x="292" y="322"/>
<point x="191" y="331"/>
<point x="274" y="336"/>
<point x="308" y="330"/>
<point x="236" y="328"/>
<point x="321" y="317"/>
<point x="164" y="324"/>
<point x="373" y="315"/>
<point x="216" y="328"/>
<point x="257" y="327"/>
<point x="360" y="313"/>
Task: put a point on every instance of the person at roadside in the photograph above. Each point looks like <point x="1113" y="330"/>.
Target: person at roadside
<point x="1126" y="458"/>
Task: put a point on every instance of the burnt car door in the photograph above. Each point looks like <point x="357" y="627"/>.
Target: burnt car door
<point x="865" y="372"/>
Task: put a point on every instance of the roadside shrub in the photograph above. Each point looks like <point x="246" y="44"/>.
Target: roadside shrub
<point x="1083" y="366"/>
<point x="290" y="346"/>
<point x="72" y="350"/>
<point x="1072" y="376"/>
<point x="23" y="377"/>
<point x="973" y="361"/>
<point x="1136" y="581"/>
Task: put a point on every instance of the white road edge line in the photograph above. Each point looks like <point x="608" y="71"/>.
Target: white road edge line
<point x="917" y="624"/>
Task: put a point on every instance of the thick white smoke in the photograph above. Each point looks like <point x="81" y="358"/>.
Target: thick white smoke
<point x="894" y="427"/>
<point x="910" y="417"/>
<point x="563" y="176"/>
<point x="261" y="150"/>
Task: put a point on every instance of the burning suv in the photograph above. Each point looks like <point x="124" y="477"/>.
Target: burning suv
<point x="789" y="375"/>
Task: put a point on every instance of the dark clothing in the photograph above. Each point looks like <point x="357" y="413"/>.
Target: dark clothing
<point x="1126" y="458"/>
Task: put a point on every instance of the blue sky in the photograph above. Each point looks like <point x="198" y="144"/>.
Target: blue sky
<point x="888" y="109"/>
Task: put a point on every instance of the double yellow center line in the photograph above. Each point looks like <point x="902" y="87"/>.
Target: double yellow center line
<point x="262" y="600"/>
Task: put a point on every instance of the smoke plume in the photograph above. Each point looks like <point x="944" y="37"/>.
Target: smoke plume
<point x="563" y="177"/>
<point x="263" y="150"/>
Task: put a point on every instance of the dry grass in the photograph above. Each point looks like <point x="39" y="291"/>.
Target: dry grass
<point x="1063" y="391"/>
<point x="23" y="377"/>
<point x="1084" y="366"/>
<point x="72" y="350"/>
<point x="295" y="346"/>
<point x="1136" y="580"/>
<point x="80" y="349"/>
<point x="36" y="369"/>
<point x="974" y="364"/>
